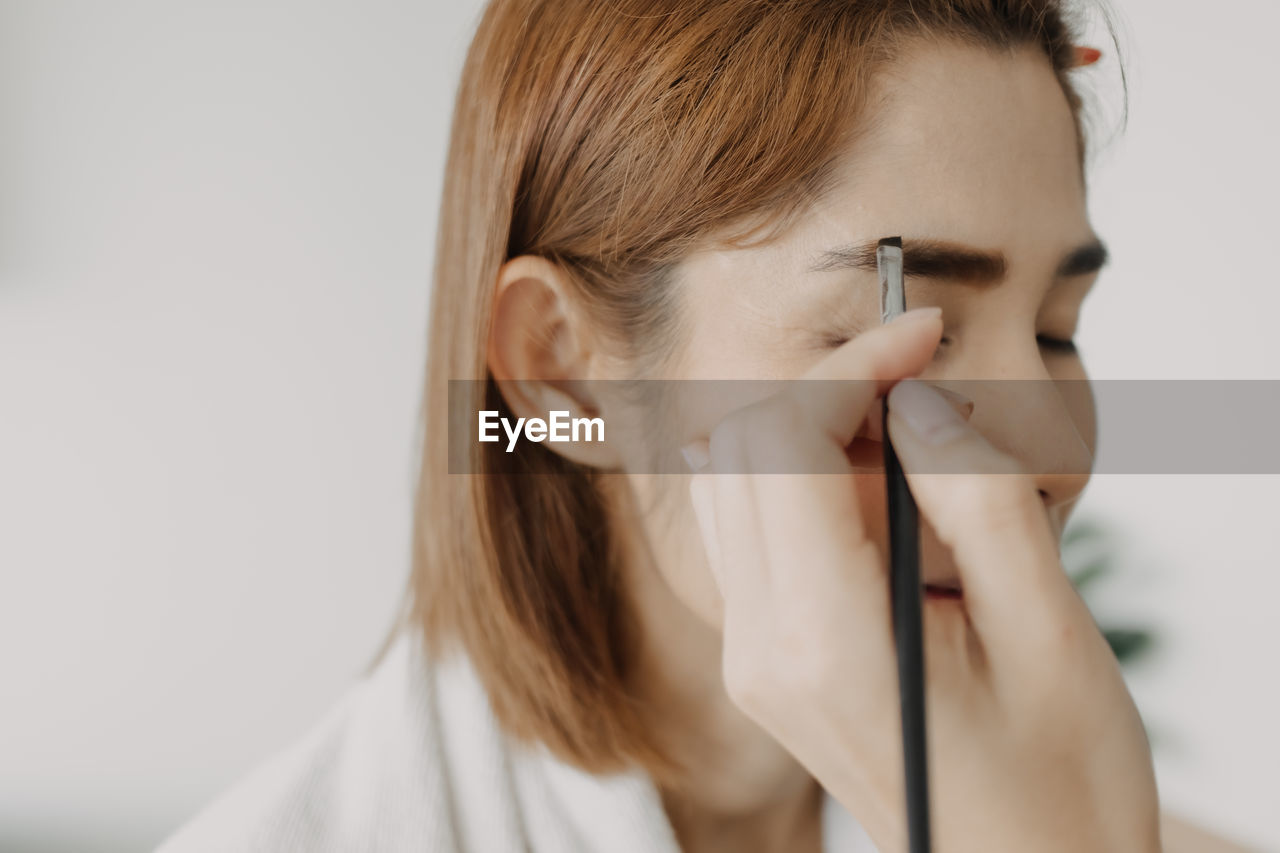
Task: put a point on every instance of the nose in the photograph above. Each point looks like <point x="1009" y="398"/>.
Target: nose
<point x="1044" y="421"/>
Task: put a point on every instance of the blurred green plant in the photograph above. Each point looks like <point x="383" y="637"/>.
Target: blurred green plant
<point x="1088" y="554"/>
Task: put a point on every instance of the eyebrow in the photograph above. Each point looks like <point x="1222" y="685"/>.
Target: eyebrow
<point x="945" y="260"/>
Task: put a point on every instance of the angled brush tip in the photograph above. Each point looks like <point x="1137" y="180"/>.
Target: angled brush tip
<point x="896" y="242"/>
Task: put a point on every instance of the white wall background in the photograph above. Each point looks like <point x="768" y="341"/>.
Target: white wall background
<point x="215" y="231"/>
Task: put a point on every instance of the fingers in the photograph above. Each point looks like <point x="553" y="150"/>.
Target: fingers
<point x="989" y="512"/>
<point x="789" y="550"/>
<point x="822" y="564"/>
<point x="807" y="427"/>
<point x="793" y="574"/>
<point x="879" y="357"/>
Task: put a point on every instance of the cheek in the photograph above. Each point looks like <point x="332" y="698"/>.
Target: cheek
<point x="741" y="321"/>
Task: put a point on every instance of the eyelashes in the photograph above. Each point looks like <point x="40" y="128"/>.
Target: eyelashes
<point x="834" y="341"/>
<point x="1058" y="345"/>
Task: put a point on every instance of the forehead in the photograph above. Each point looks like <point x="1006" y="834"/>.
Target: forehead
<point x="965" y="143"/>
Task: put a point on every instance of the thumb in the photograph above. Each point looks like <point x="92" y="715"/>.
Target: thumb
<point x="989" y="512"/>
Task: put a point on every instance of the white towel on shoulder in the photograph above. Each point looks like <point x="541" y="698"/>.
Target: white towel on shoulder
<point x="412" y="759"/>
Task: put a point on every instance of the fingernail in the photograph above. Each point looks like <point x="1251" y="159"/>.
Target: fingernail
<point x="929" y="312"/>
<point x="926" y="412"/>
<point x="959" y="402"/>
<point x="697" y="455"/>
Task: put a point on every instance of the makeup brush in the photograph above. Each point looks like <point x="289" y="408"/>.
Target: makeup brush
<point x="904" y="582"/>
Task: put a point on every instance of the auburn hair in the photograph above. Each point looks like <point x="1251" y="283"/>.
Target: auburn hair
<point x="611" y="138"/>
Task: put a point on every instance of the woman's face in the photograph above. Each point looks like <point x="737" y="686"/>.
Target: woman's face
<point x="974" y="151"/>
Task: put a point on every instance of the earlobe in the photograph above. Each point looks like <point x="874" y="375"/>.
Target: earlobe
<point x="540" y="353"/>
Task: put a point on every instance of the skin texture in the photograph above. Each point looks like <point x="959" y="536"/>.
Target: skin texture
<point x="767" y="657"/>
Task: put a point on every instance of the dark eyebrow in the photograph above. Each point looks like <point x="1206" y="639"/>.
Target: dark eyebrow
<point x="941" y="259"/>
<point x="1084" y="260"/>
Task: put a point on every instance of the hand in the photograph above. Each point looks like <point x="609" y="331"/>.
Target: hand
<point x="1034" y="741"/>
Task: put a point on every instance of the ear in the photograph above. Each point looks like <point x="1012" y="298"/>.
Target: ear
<point x="541" y="348"/>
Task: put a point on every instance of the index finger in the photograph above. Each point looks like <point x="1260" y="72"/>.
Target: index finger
<point x="879" y="358"/>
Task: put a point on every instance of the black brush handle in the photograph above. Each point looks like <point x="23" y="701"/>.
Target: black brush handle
<point x="908" y="635"/>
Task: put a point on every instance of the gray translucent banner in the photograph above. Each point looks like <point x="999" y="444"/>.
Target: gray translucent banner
<point x="1067" y="427"/>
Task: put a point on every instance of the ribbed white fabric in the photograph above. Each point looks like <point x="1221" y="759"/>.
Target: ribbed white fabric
<point x="411" y="759"/>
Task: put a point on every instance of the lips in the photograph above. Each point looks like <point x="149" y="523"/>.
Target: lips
<point x="943" y="589"/>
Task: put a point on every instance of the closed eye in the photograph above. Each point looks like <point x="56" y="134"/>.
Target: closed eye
<point x="835" y="341"/>
<point x="1063" y="345"/>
